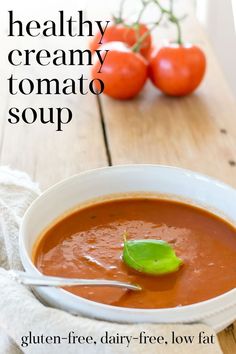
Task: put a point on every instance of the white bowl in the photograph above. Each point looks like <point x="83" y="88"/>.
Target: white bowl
<point x="170" y="182"/>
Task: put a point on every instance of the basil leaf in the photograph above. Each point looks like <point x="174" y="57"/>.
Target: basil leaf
<point x="154" y="257"/>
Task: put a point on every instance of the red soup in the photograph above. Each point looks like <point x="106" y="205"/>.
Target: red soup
<point x="88" y="243"/>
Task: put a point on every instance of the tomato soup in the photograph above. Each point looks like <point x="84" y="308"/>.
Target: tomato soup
<point x="88" y="243"/>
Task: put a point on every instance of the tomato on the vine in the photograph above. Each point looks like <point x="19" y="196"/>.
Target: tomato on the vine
<point x="124" y="72"/>
<point x="128" y="34"/>
<point x="178" y="69"/>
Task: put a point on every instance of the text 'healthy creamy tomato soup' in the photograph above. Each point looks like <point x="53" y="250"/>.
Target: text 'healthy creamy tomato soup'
<point x="88" y="243"/>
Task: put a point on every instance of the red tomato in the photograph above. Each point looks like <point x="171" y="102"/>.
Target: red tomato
<point x="124" y="72"/>
<point x="123" y="33"/>
<point x="177" y="70"/>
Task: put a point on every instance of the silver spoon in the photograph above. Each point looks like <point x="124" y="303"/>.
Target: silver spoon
<point x="45" y="280"/>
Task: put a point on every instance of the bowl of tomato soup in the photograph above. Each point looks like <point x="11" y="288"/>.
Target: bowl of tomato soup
<point x="75" y="229"/>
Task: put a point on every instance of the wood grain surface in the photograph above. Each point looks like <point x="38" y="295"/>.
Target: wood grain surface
<point x="196" y="132"/>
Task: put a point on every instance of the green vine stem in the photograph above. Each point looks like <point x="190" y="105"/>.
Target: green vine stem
<point x="136" y="25"/>
<point x="145" y="4"/>
<point x="172" y="18"/>
<point x="119" y="19"/>
<point x="164" y="11"/>
<point x="176" y="21"/>
<point x="137" y="45"/>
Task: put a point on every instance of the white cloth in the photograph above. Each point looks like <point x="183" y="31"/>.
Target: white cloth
<point x="21" y="312"/>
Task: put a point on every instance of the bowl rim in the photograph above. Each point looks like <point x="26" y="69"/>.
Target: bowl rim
<point x="66" y="295"/>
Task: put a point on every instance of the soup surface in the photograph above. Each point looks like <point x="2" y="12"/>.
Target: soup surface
<point x="89" y="244"/>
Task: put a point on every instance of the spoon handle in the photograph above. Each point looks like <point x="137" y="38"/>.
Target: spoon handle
<point x="45" y="280"/>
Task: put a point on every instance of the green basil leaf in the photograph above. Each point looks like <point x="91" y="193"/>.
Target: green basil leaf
<point x="154" y="257"/>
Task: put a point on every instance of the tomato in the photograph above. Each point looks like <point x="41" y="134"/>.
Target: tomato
<point x="124" y="72"/>
<point x="123" y="33"/>
<point x="177" y="70"/>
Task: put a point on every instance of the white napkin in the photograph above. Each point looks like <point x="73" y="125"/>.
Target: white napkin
<point x="21" y="313"/>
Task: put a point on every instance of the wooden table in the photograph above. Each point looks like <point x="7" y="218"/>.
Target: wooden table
<point x="197" y="132"/>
